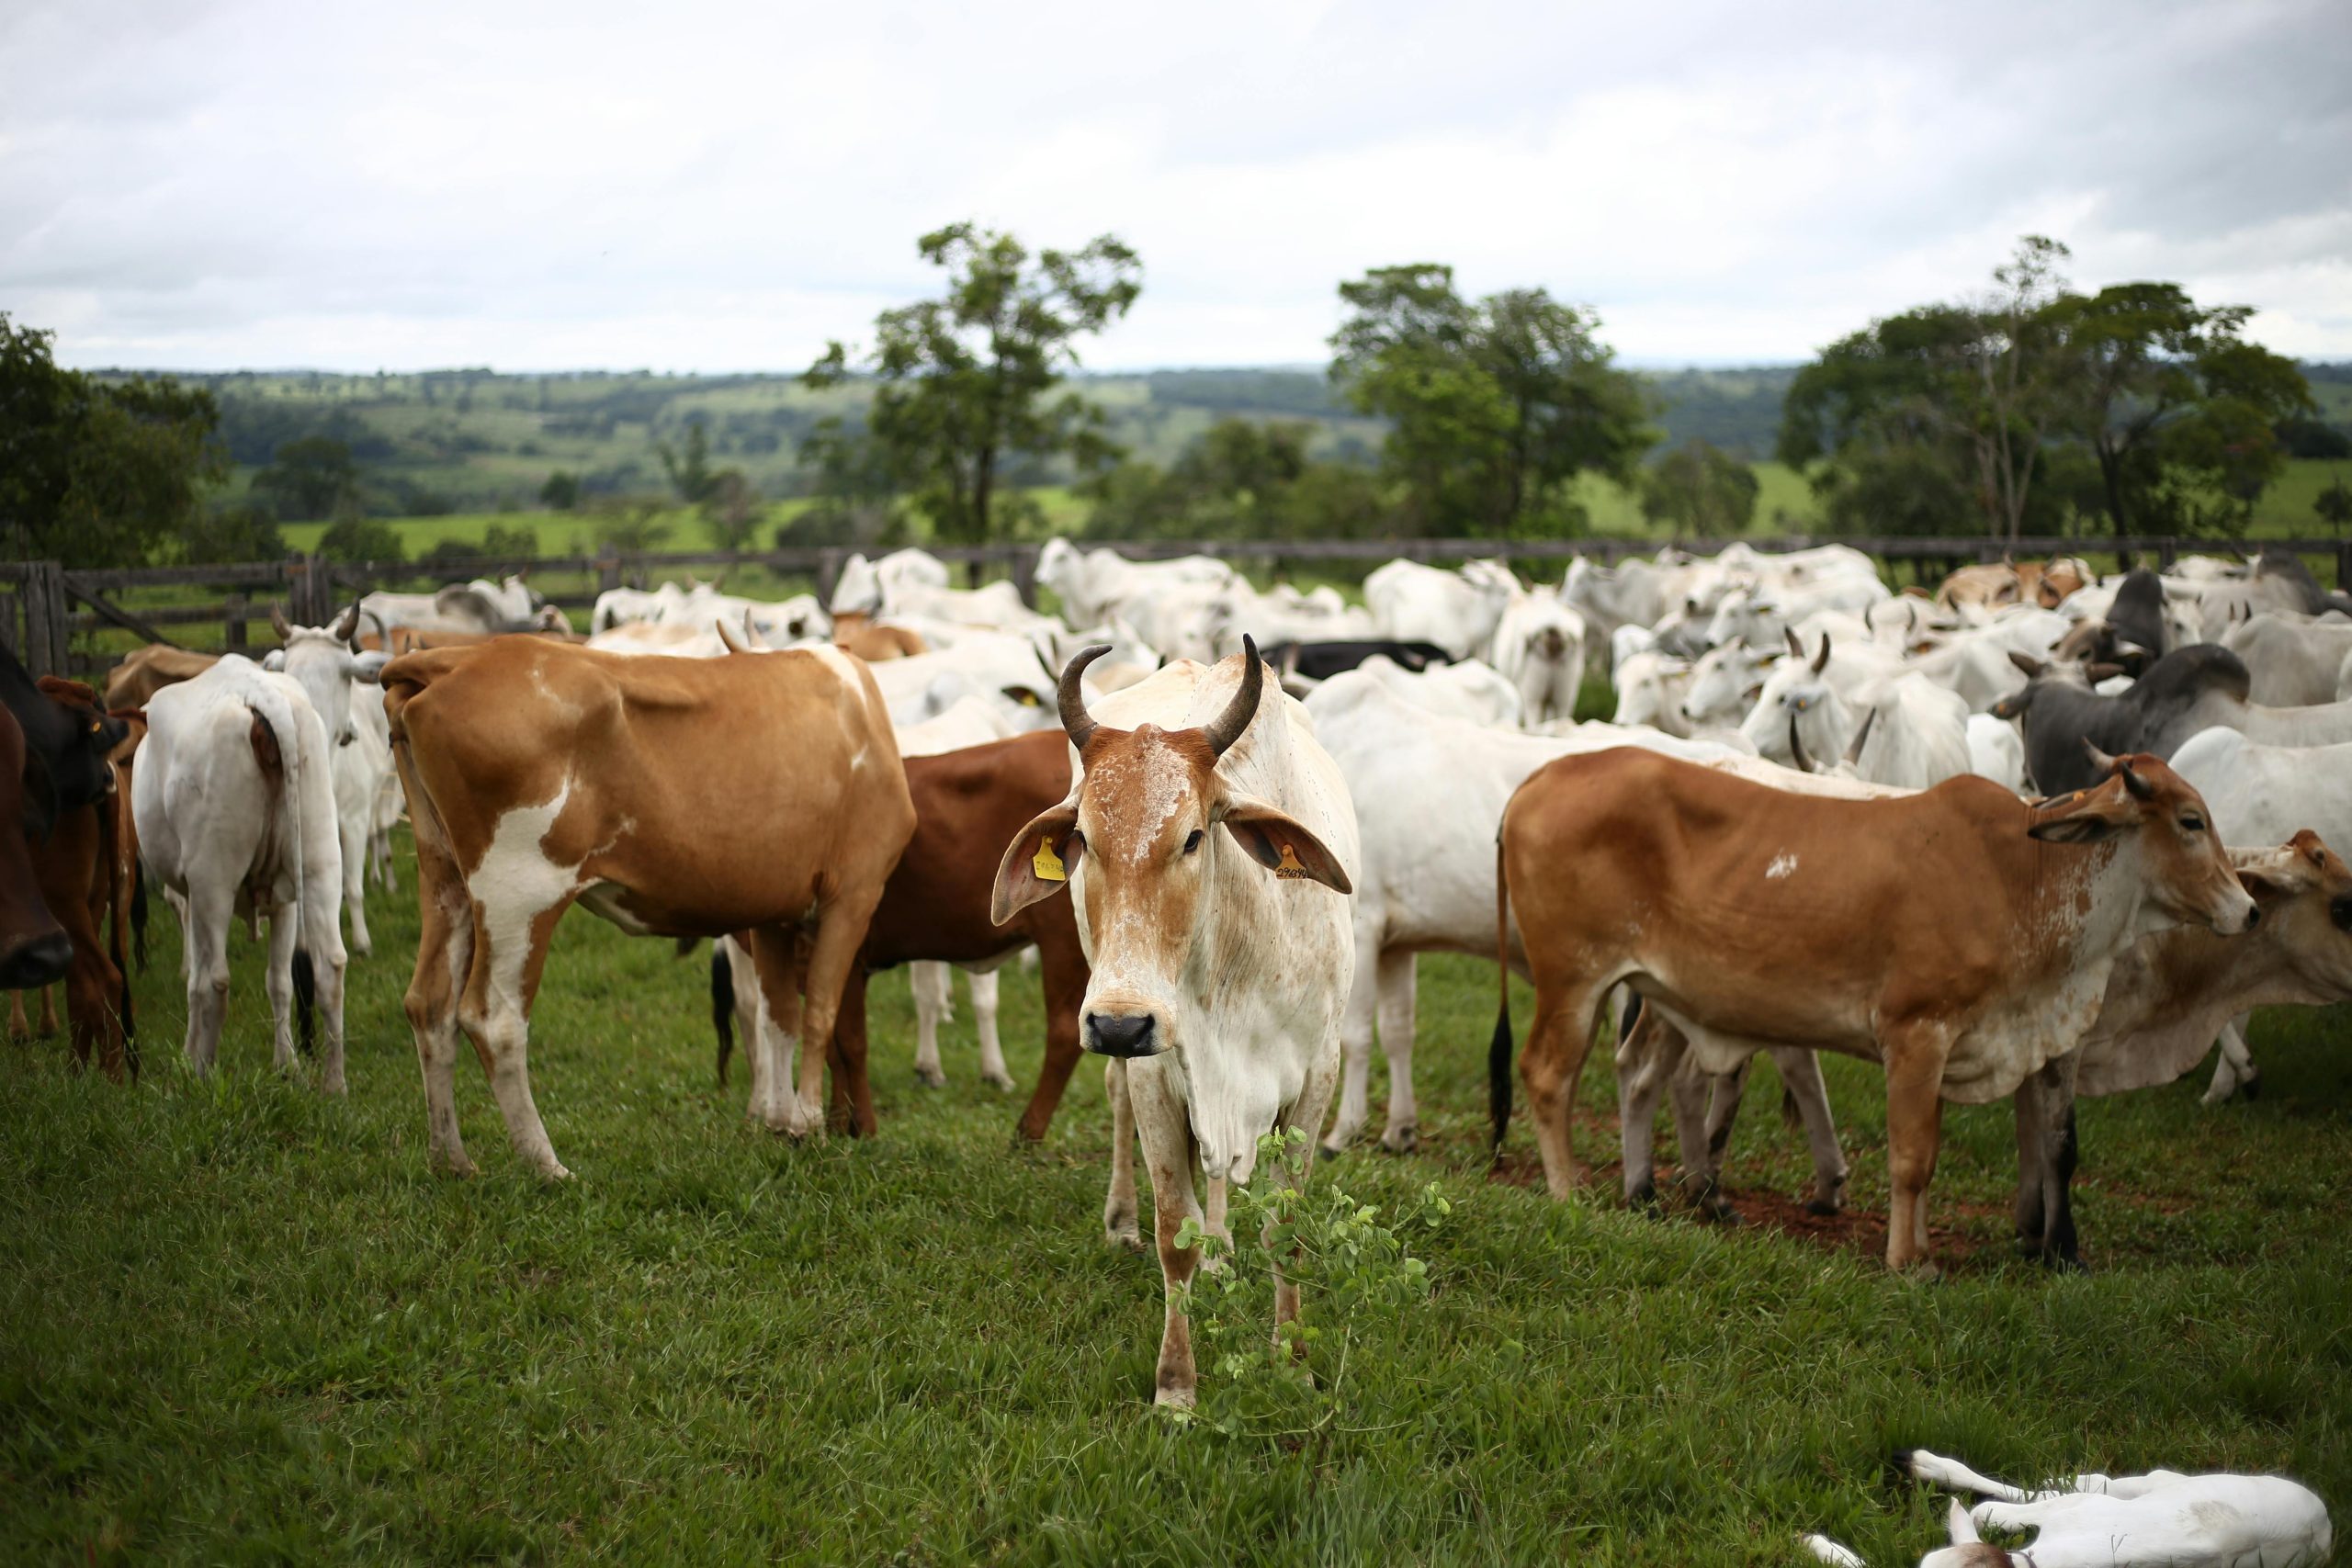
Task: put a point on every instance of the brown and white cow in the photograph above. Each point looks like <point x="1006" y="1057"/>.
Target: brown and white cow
<point x="1202" y="838"/>
<point x="1962" y="937"/>
<point x="34" y="948"/>
<point x="760" y="792"/>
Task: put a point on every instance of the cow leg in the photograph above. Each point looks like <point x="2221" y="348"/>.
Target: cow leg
<point x="354" y="872"/>
<point x="1808" y="1091"/>
<point x="511" y="942"/>
<point x="982" y="984"/>
<point x="1062" y="973"/>
<point x="778" y="963"/>
<point x="2026" y="1105"/>
<point x="1306" y="1115"/>
<point x="1706" y="1106"/>
<point x="934" y="1000"/>
<point x="204" y="955"/>
<point x="2233" y="1069"/>
<point x="19" y="1028"/>
<point x="840" y="931"/>
<point x="1165" y="1127"/>
<point x="1914" y="1107"/>
<point x="1553" y="1066"/>
<point x="92" y="984"/>
<point x="1397" y="1021"/>
<point x="278" y="979"/>
<point x="1647" y="1059"/>
<point x="2054" y="1133"/>
<point x="48" y="1024"/>
<point x="444" y="957"/>
<point x="1119" y="1205"/>
<point x="1355" y="1050"/>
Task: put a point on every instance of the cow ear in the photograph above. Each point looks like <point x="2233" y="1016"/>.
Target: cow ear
<point x="2086" y="817"/>
<point x="1277" y="841"/>
<point x="274" y="659"/>
<point x="369" y="665"/>
<point x="2267" y="883"/>
<point x="1962" y="1527"/>
<point x="1037" y="862"/>
<point x="2027" y="662"/>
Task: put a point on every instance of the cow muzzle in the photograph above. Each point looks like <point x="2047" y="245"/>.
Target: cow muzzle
<point x="39" y="961"/>
<point x="1121" y="1035"/>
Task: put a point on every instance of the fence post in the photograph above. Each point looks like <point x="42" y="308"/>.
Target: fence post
<point x="233" y="621"/>
<point x="1024" y="573"/>
<point x="609" y="574"/>
<point x="49" y="628"/>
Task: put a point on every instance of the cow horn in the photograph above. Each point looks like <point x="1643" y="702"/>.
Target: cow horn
<point x="2099" y="760"/>
<point x="1796" y="649"/>
<point x="1796" y="747"/>
<point x="277" y="623"/>
<point x="1076" y="721"/>
<point x="347" y="628"/>
<point x="1854" y="750"/>
<point x="1822" y="662"/>
<point x="1226" y="727"/>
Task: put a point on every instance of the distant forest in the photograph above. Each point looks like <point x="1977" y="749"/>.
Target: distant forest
<point x="468" y="440"/>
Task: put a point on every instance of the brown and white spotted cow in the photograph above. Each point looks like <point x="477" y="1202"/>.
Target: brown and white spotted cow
<point x="1962" y="937"/>
<point x="679" y="797"/>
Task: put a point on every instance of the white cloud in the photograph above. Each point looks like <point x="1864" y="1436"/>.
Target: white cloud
<point x="726" y="187"/>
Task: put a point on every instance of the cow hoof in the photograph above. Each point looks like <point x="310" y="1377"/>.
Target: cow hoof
<point x="458" y="1169"/>
<point x="2060" y="1263"/>
<point x="1127" y="1240"/>
<point x="1174" y="1398"/>
<point x="998" y="1080"/>
<point x="2251" y="1085"/>
<point x="1826" y="1208"/>
<point x="1721" y="1212"/>
<point x="1401" y="1139"/>
<point x="932" y="1078"/>
<point x="1332" y="1151"/>
<point x="1642" y="1199"/>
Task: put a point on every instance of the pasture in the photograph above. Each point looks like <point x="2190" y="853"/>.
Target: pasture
<point x="243" y="1322"/>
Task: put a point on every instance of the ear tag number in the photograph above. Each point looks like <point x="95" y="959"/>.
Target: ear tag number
<point x="1289" y="866"/>
<point x="1048" y="865"/>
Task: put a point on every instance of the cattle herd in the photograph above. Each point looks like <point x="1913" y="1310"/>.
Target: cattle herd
<point x="2036" y="836"/>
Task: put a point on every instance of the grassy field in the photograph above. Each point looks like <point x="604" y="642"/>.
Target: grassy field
<point x="244" y="1323"/>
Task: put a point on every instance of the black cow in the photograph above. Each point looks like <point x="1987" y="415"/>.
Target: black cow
<point x="1321" y="660"/>
<point x="65" y="747"/>
<point x="2131" y="635"/>
<point x="2188" y="690"/>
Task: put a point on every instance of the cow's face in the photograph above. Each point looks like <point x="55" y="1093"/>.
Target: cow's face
<point x="324" y="662"/>
<point x="1724" y="683"/>
<point x="85" y="769"/>
<point x="2188" y="873"/>
<point x="1153" y="827"/>
<point x="2305" y="893"/>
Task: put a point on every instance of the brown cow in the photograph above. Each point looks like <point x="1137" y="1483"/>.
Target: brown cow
<point x="935" y="906"/>
<point x="759" y="792"/>
<point x="79" y="869"/>
<point x="1961" y="936"/>
<point x="875" y="644"/>
<point x="34" y="948"/>
<point x="147" y="670"/>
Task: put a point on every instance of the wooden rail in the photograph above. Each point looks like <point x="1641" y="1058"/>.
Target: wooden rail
<point x="44" y="606"/>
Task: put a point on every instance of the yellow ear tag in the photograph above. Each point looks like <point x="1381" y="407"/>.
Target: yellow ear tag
<point x="1290" y="866"/>
<point x="1048" y="865"/>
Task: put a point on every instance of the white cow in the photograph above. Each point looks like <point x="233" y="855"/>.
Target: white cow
<point x="234" y="802"/>
<point x="1430" y="791"/>
<point x="1239" y="611"/>
<point x="2295" y="660"/>
<point x="1457" y="611"/>
<point x="1005" y="670"/>
<point x="873" y="588"/>
<point x="1652" y="689"/>
<point x="333" y="675"/>
<point x="1466" y="689"/>
<point x="972" y="721"/>
<point x="1996" y="752"/>
<point x="466" y="608"/>
<point x="2161" y="1520"/>
<point x="1208" y="846"/>
<point x="1540" y="649"/>
<point x="1100" y="584"/>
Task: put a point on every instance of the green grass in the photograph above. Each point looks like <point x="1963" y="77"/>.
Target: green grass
<point x="243" y="1322"/>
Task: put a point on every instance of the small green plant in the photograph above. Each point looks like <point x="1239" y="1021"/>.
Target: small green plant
<point x="1353" y="1274"/>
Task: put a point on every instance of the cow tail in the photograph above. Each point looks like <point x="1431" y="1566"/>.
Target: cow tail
<point x="1498" y="1050"/>
<point x="306" y="996"/>
<point x="722" y="1005"/>
<point x="271" y="751"/>
<point x="138" y="910"/>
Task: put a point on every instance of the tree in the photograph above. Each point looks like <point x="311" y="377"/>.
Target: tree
<point x="2335" y="505"/>
<point x="1699" y="491"/>
<point x="732" y="511"/>
<point x="2179" y="408"/>
<point x="232" y="534"/>
<point x="963" y="381"/>
<point x="309" y="479"/>
<point x="1234" y="482"/>
<point x="691" y="475"/>
<point x="561" y="493"/>
<point x="98" y="473"/>
<point x="1493" y="407"/>
<point x="362" y="539"/>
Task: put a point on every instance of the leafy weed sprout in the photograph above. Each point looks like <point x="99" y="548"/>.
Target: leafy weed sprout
<point x="1355" y="1280"/>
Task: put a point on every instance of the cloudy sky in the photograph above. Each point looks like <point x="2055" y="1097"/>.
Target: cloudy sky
<point x="724" y="186"/>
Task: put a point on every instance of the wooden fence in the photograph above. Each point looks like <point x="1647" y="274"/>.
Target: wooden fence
<point x="46" y="609"/>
